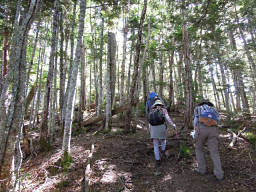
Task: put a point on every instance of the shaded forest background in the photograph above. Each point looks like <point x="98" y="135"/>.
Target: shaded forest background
<point x="76" y="63"/>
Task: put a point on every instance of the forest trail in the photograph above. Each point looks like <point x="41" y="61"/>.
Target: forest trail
<point x="122" y="163"/>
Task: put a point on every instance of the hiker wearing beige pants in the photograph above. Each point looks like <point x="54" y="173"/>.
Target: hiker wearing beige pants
<point x="208" y="135"/>
<point x="206" y="131"/>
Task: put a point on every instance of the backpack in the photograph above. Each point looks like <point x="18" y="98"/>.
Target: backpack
<point x="208" y="116"/>
<point x="156" y="117"/>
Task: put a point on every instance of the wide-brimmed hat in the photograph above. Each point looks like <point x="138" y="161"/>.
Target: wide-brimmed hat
<point x="157" y="102"/>
<point x="206" y="101"/>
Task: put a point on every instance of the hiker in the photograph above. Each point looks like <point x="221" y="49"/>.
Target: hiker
<point x="157" y="117"/>
<point x="205" y="122"/>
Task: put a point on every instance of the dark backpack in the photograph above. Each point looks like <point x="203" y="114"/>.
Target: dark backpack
<point x="156" y="117"/>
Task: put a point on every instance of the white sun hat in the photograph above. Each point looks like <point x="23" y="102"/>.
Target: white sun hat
<point x="157" y="102"/>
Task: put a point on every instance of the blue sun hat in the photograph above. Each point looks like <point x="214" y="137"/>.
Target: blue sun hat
<point x="152" y="95"/>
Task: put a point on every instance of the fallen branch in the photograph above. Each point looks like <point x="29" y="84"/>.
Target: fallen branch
<point x="235" y="137"/>
<point x="95" y="119"/>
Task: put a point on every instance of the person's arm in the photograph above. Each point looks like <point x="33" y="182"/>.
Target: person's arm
<point x="196" y="117"/>
<point x="167" y="118"/>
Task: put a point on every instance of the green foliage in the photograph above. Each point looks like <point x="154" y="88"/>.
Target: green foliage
<point x="66" y="161"/>
<point x="62" y="184"/>
<point x="78" y="131"/>
<point x="251" y="137"/>
<point x="184" y="151"/>
<point x="141" y="107"/>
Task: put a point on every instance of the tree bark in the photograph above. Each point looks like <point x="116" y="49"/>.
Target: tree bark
<point x="171" y="66"/>
<point x="188" y="75"/>
<point x="135" y="73"/>
<point x="71" y="64"/>
<point x="125" y="31"/>
<point x="109" y="78"/>
<point x="44" y="124"/>
<point x="12" y="115"/>
<point x="72" y="88"/>
<point x="129" y="68"/>
<point x="144" y="68"/>
<point x="100" y="67"/>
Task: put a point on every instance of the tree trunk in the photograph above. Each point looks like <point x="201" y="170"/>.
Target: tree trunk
<point x="224" y="84"/>
<point x="72" y="88"/>
<point x="100" y="67"/>
<point x="125" y="31"/>
<point x="44" y="142"/>
<point x="171" y="66"/>
<point x="62" y="65"/>
<point x="34" y="51"/>
<point x="109" y="78"/>
<point x="71" y="64"/>
<point x="143" y="66"/>
<point x="188" y="81"/>
<point x="135" y="72"/>
<point x="129" y="68"/>
<point x="12" y="121"/>
<point x="83" y="82"/>
<point x="188" y="73"/>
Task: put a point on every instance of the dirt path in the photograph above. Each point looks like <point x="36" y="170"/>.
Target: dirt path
<point x="123" y="163"/>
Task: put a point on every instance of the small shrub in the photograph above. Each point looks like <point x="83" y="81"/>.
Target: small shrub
<point x="251" y="137"/>
<point x="66" y="161"/>
<point x="184" y="151"/>
<point x="62" y="184"/>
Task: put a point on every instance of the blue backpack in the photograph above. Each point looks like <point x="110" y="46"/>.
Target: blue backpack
<point x="208" y="116"/>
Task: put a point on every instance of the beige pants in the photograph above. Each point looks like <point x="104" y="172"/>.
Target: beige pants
<point x="208" y="135"/>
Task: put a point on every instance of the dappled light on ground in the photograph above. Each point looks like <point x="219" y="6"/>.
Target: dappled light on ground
<point x="125" y="163"/>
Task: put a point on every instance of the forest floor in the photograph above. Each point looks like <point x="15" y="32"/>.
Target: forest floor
<point x="122" y="163"/>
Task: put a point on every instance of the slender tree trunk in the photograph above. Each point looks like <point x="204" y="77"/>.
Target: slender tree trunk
<point x="33" y="52"/>
<point x="109" y="78"/>
<point x="180" y="77"/>
<point x="71" y="64"/>
<point x="44" y="142"/>
<point x="143" y="66"/>
<point x="132" y="98"/>
<point x="12" y="116"/>
<point x="161" y="74"/>
<point x="224" y="84"/>
<point x="72" y="88"/>
<point x="5" y="52"/>
<point x="62" y="65"/>
<point x="171" y="65"/>
<point x="100" y="67"/>
<point x="154" y="76"/>
<point x="125" y="31"/>
<point x="39" y="87"/>
<point x="130" y="64"/>
<point x="83" y="78"/>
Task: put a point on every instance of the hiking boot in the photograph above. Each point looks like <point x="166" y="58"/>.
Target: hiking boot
<point x="157" y="168"/>
<point x="196" y="170"/>
<point x="220" y="179"/>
